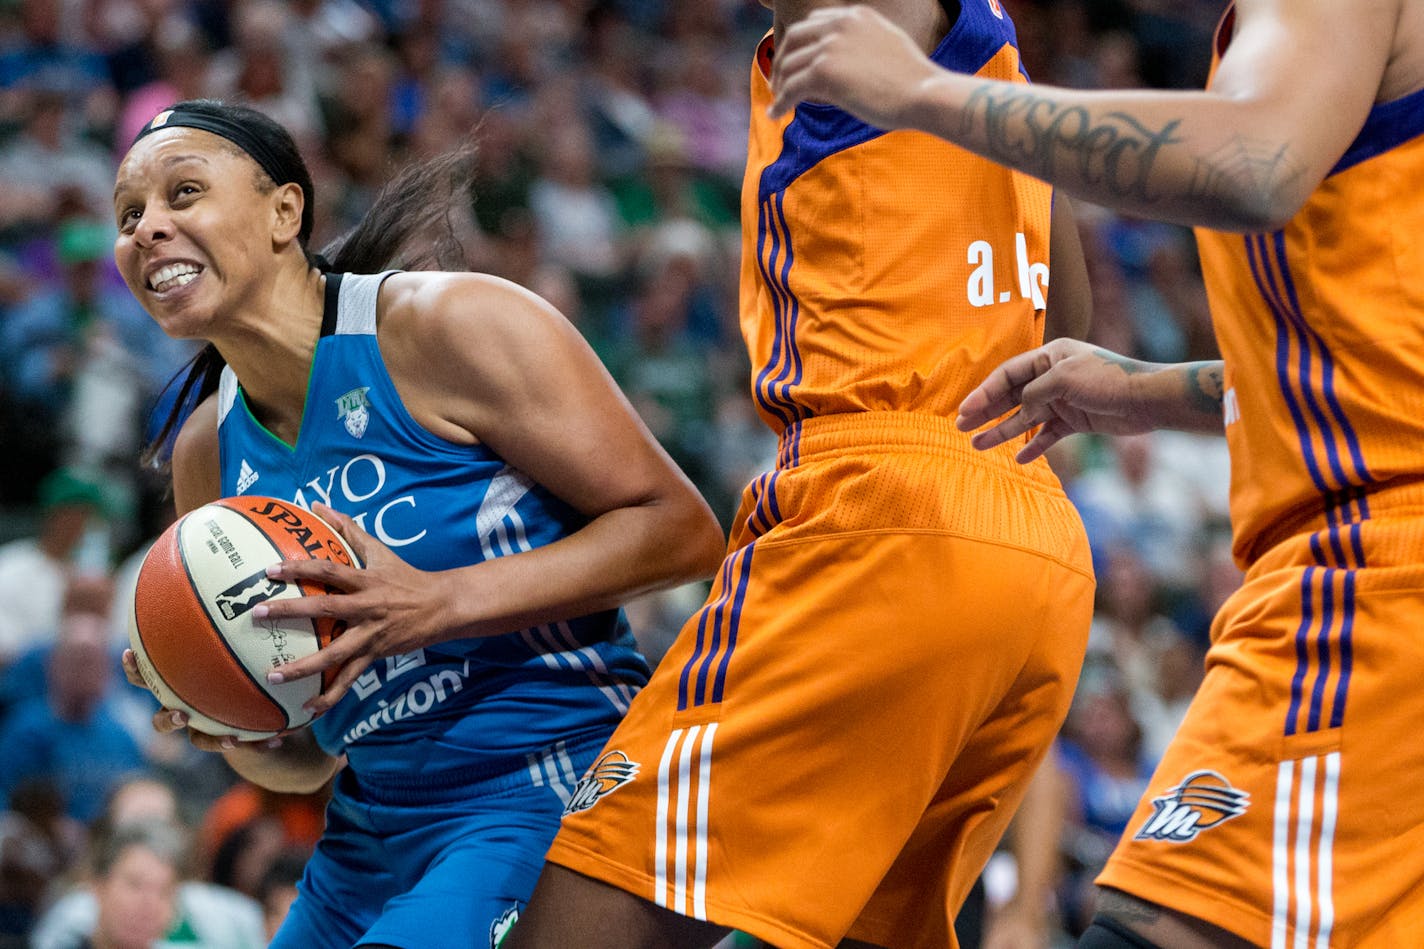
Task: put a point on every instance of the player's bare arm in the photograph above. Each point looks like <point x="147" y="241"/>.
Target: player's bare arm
<point x="515" y="375"/>
<point x="1070" y="295"/>
<point x="1243" y="155"/>
<point x="1069" y="386"/>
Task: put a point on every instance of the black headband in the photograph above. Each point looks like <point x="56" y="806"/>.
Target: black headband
<point x="226" y="128"/>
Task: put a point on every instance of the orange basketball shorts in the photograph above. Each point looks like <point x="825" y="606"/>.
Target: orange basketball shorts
<point x="838" y="738"/>
<point x="1288" y="808"/>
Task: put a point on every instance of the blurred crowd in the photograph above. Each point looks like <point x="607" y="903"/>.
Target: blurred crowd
<point x="611" y="138"/>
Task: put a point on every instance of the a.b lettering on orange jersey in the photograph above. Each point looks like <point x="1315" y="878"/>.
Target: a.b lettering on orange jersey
<point x="886" y="271"/>
<point x="1319" y="327"/>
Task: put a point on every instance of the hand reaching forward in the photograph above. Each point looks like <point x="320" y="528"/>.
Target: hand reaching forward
<point x="854" y="58"/>
<point x="388" y="606"/>
<point x="1065" y="386"/>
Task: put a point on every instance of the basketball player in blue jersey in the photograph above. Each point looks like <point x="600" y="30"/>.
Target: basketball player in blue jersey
<point x="501" y="494"/>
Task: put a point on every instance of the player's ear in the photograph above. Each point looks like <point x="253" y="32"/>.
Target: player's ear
<point x="287" y="204"/>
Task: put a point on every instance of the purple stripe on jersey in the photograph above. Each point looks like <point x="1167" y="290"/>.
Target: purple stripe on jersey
<point x="756" y="488"/>
<point x="780" y="386"/>
<point x="1305" y="336"/>
<point x="699" y="696"/>
<point x="1347" y="649"/>
<point x="707" y="609"/>
<point x="1356" y="540"/>
<point x="1283" y="337"/>
<point x="1337" y="512"/>
<point x="1317" y="551"/>
<point x="734" y="624"/>
<point x="788" y="451"/>
<point x="1302" y="647"/>
<point x="770" y="499"/>
<point x="1322" y="648"/>
<point x="766" y="261"/>
<point x="1327" y="364"/>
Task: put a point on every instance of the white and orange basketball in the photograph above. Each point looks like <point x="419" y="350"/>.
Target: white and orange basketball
<point x="192" y="631"/>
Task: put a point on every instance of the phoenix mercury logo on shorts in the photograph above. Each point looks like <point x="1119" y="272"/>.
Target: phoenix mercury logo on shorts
<point x="1203" y="800"/>
<point x="607" y="775"/>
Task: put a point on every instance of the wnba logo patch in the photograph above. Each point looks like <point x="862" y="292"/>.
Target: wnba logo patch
<point x="997" y="10"/>
<point x="607" y="775"/>
<point x="1203" y="800"/>
<point x="245" y="594"/>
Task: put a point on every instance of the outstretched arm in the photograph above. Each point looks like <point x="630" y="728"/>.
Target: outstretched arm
<point x="1291" y="92"/>
<point x="1069" y="386"/>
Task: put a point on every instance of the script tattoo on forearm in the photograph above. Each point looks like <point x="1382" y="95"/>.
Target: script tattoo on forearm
<point x="1034" y="133"/>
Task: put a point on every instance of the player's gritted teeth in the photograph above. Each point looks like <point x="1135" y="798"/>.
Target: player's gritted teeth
<point x="173" y="275"/>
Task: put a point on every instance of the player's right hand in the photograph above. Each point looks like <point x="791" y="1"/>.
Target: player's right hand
<point x="1063" y="387"/>
<point x="168" y="720"/>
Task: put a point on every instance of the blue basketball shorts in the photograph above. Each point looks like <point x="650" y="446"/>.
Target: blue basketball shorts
<point x="423" y="868"/>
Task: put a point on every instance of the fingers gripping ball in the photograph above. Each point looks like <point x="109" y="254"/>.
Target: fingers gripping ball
<point x="197" y="645"/>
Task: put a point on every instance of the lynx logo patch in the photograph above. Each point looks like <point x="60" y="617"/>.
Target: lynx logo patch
<point x="1203" y="800"/>
<point x="500" y="928"/>
<point x="354" y="409"/>
<point x="607" y="775"/>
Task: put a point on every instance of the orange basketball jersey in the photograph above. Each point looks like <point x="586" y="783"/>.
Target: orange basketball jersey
<point x="886" y="272"/>
<point x="1320" y="329"/>
<point x="1283" y="809"/>
<point x="837" y="739"/>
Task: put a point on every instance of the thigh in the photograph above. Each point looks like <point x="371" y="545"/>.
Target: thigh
<point x="472" y="867"/>
<point x="1284" y="809"/>
<point x="793" y="739"/>
<point x="342" y="890"/>
<point x="920" y="897"/>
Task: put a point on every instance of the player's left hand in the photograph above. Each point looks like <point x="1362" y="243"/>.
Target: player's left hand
<point x="388" y="606"/>
<point x="854" y="58"/>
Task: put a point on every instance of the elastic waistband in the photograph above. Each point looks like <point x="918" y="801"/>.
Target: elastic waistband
<point x="828" y="436"/>
<point x="485" y="776"/>
<point x="1389" y="518"/>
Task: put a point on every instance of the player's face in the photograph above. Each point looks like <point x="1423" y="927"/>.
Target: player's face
<point x="193" y="227"/>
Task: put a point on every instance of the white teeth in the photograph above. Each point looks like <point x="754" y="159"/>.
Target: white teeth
<point x="173" y="276"/>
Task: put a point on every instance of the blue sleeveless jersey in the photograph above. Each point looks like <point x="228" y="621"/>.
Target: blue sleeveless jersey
<point x="465" y="707"/>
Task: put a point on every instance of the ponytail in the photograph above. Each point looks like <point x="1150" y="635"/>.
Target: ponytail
<point x="415" y="221"/>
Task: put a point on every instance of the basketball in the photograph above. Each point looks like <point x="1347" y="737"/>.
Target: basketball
<point x="197" y="645"/>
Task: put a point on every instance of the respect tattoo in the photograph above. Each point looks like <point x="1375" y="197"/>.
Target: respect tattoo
<point x="1029" y="131"/>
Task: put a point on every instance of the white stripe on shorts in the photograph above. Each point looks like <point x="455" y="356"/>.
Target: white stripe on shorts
<point x="1311" y="814"/>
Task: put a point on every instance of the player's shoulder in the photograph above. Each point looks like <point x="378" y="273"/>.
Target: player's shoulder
<point x="467" y="318"/>
<point x="436" y="302"/>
